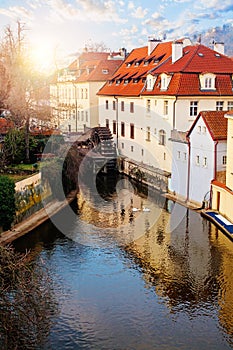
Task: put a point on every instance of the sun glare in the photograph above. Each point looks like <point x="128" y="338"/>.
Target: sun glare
<point x="42" y="58"/>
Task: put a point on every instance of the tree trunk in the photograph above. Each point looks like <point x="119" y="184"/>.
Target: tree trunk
<point x="27" y="158"/>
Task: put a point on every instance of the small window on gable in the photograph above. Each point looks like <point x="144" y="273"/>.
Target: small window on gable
<point x="207" y="81"/>
<point x="165" y="80"/>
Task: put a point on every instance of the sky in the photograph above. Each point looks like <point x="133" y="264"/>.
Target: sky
<point x="58" y="29"/>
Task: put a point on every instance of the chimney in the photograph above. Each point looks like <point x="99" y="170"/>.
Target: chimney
<point x="152" y="43"/>
<point x="219" y="47"/>
<point x="177" y="50"/>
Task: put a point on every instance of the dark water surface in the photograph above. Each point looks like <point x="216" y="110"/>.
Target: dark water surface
<point x="160" y="278"/>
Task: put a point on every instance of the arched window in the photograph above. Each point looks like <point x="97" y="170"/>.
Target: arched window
<point x="162" y="137"/>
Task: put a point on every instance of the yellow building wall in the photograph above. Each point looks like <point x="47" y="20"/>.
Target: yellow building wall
<point x="225" y="206"/>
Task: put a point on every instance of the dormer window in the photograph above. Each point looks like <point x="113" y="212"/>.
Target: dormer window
<point x="150" y="81"/>
<point x="126" y="82"/>
<point x="105" y="71"/>
<point x="118" y="82"/>
<point x="207" y="81"/>
<point x="128" y="64"/>
<point x="165" y="80"/>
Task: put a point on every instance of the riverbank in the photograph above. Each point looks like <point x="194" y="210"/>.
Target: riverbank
<point x="35" y="219"/>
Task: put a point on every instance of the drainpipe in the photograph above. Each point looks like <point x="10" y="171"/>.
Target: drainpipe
<point x="117" y="135"/>
<point x="174" y="114"/>
<point x="189" y="165"/>
<point x="215" y="159"/>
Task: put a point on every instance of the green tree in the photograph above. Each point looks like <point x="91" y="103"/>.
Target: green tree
<point x="14" y="146"/>
<point x="7" y="202"/>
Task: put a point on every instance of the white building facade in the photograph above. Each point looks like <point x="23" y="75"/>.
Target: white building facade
<point x="200" y="158"/>
<point x="160" y="88"/>
<point x="73" y="92"/>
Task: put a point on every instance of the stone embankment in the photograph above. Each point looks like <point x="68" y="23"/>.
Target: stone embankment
<point x="35" y="219"/>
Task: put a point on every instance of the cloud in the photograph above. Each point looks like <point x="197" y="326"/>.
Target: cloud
<point x="216" y="5"/>
<point x="17" y="12"/>
<point x="83" y="10"/>
<point x="139" y="12"/>
<point x="131" y="5"/>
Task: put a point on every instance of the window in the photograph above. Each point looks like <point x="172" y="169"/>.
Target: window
<point x="86" y="94"/>
<point x="162" y="137"/>
<point x="164" y="156"/>
<point x="78" y="115"/>
<point x="132" y="131"/>
<point x="148" y="133"/>
<point x="204" y="129"/>
<point x="165" y="108"/>
<point x="122" y="145"/>
<point x="122" y="106"/>
<point x="193" y="108"/>
<point x="205" y="161"/>
<point x="148" y="106"/>
<point x="86" y="116"/>
<point x="114" y="105"/>
<point x="106" y="104"/>
<point x="114" y="127"/>
<point x="165" y="80"/>
<point x="155" y="131"/>
<point x="131" y="107"/>
<point x="178" y="154"/>
<point x="224" y="160"/>
<point x="131" y="148"/>
<point x="142" y="152"/>
<point x="230" y="105"/>
<point x="219" y="106"/>
<point x="122" y="129"/>
<point x="198" y="160"/>
<point x="150" y="80"/>
<point x="199" y="129"/>
<point x="207" y="81"/>
<point x="82" y="116"/>
<point x="107" y="123"/>
<point x="81" y="93"/>
<point x="185" y="156"/>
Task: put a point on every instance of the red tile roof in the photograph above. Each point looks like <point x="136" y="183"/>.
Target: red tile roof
<point x="130" y="70"/>
<point x="185" y="72"/>
<point x="100" y="70"/>
<point x="5" y="125"/>
<point x="216" y="124"/>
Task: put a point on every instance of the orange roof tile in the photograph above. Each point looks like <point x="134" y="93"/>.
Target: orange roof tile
<point x="136" y="66"/>
<point x="5" y="125"/>
<point x="185" y="71"/>
<point x="215" y="122"/>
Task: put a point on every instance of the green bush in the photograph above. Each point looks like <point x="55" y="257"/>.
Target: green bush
<point x="7" y="202"/>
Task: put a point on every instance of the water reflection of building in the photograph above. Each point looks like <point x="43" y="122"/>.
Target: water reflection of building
<point x="222" y="246"/>
<point x="179" y="263"/>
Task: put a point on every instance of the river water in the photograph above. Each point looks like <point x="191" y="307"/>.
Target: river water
<point x="133" y="271"/>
